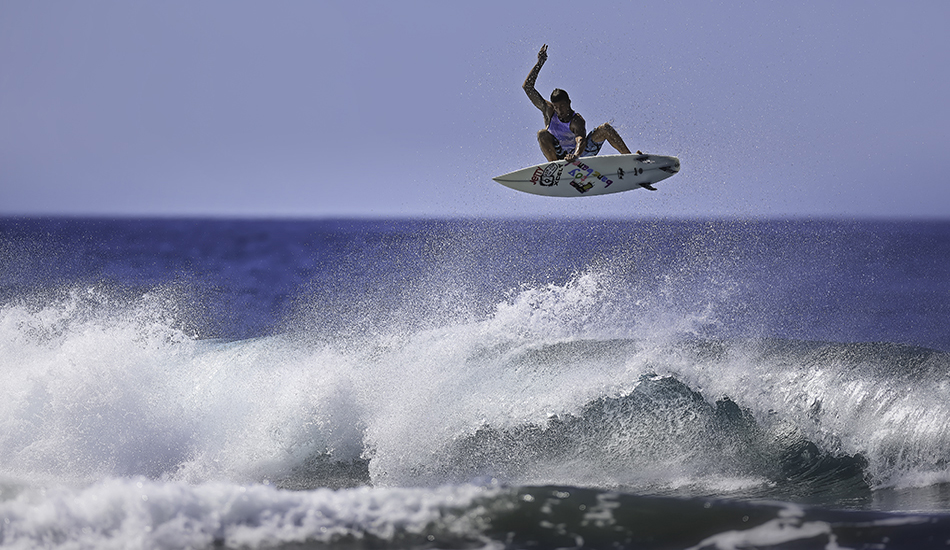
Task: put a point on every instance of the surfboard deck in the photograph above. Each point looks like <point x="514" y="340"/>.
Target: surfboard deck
<point x="590" y="176"/>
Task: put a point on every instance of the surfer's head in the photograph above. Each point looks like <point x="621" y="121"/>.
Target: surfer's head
<point x="559" y="95"/>
<point x="561" y="102"/>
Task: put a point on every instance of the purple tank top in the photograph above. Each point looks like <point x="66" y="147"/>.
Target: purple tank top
<point x="562" y="132"/>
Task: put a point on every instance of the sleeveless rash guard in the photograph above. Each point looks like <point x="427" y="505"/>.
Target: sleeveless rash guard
<point x="562" y="132"/>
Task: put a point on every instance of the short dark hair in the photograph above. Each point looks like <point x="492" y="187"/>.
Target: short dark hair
<point x="559" y="95"/>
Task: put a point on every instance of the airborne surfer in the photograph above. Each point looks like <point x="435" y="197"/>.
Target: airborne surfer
<point x="565" y="131"/>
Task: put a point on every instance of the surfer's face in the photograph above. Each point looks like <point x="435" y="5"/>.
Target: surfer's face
<point x="562" y="109"/>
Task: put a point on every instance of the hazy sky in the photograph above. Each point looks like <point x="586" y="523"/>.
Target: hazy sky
<point x="350" y="108"/>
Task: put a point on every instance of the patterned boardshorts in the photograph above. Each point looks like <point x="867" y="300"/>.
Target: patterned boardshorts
<point x="590" y="151"/>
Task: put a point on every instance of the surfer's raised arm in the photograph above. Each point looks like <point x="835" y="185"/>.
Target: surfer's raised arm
<point x="536" y="98"/>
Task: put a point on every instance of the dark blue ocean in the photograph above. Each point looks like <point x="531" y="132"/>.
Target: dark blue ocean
<point x="203" y="383"/>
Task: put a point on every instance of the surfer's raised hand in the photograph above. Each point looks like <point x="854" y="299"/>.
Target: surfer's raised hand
<point x="543" y="54"/>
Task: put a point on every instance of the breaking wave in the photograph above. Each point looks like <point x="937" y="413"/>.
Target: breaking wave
<point x="546" y="389"/>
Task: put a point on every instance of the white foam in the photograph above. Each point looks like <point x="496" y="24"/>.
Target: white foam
<point x="137" y="513"/>
<point x="771" y="534"/>
<point x="118" y="391"/>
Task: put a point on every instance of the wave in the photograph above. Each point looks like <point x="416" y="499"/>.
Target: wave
<point x="572" y="384"/>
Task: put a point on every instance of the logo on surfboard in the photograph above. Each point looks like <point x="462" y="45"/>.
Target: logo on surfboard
<point x="547" y="176"/>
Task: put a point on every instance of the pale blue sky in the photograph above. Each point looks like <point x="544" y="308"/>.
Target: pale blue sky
<point x="315" y="109"/>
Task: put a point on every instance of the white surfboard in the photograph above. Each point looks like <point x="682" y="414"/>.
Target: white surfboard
<point x="589" y="176"/>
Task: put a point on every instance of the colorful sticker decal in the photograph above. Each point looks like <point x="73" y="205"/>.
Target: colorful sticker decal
<point x="582" y="172"/>
<point x="582" y="188"/>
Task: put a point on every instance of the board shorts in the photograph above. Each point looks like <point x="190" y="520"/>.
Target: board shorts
<point x="590" y="150"/>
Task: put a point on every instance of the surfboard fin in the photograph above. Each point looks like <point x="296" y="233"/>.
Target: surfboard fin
<point x="648" y="186"/>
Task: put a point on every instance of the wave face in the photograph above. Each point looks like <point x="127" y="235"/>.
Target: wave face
<point x="463" y="372"/>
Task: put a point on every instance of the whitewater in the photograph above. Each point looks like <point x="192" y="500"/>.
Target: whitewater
<point x="474" y="383"/>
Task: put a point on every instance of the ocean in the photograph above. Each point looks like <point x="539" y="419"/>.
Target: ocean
<point x="424" y="384"/>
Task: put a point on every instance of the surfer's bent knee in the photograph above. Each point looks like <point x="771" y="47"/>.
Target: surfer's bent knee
<point x="601" y="132"/>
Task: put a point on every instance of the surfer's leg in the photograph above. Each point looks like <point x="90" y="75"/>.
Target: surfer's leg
<point x="548" y="144"/>
<point x="606" y="132"/>
<point x="593" y="146"/>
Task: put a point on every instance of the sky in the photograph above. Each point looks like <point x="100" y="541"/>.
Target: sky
<point x="317" y="109"/>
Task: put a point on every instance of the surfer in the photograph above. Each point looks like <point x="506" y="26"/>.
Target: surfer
<point x="565" y="131"/>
